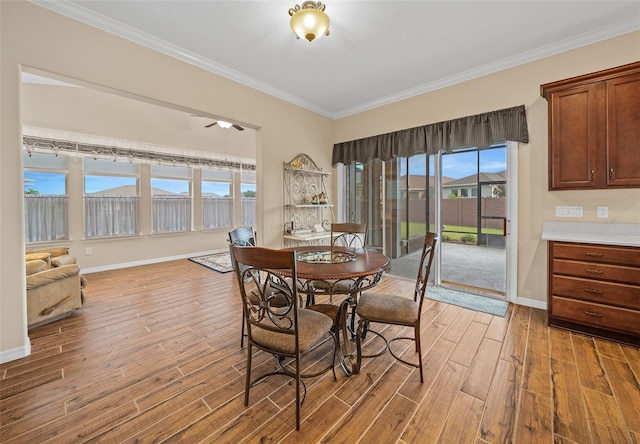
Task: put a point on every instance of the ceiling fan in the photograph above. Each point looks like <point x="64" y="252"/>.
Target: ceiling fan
<point x="220" y="123"/>
<point x="225" y="125"/>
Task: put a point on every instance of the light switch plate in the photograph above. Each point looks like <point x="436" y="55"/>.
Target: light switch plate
<point x="569" y="211"/>
<point x="603" y="212"/>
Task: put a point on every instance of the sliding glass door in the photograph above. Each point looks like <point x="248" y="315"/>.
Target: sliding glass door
<point x="461" y="195"/>
<point x="473" y="220"/>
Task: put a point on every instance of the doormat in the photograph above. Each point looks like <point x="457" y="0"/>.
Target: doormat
<point x="467" y="300"/>
<point x="220" y="262"/>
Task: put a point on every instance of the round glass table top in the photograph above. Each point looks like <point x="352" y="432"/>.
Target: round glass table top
<point x="324" y="256"/>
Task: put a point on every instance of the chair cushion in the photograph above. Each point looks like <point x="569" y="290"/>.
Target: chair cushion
<point x="387" y="308"/>
<point x="314" y="327"/>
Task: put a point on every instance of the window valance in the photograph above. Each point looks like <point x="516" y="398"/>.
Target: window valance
<point x="480" y="130"/>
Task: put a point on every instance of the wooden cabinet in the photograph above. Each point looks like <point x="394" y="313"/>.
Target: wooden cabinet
<point x="594" y="130"/>
<point x="595" y="289"/>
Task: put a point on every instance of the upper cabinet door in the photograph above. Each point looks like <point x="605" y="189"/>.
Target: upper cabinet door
<point x="594" y="130"/>
<point x="573" y="138"/>
<point x="623" y="131"/>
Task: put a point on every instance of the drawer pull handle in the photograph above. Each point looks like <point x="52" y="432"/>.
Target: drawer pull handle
<point x="588" y="290"/>
<point x="595" y="315"/>
<point x="594" y="254"/>
<point x="594" y="271"/>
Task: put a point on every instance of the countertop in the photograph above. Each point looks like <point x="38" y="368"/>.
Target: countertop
<point x="593" y="233"/>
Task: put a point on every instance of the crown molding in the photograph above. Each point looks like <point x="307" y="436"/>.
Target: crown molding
<point x="76" y="12"/>
<point x="585" y="39"/>
<point x="84" y="15"/>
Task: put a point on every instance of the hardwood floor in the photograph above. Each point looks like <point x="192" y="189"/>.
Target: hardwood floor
<point x="154" y="356"/>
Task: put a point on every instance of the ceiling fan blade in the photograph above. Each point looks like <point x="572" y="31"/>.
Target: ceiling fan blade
<point x="210" y="125"/>
<point x="238" y="127"/>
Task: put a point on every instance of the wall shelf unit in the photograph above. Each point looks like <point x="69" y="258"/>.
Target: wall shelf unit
<point x="307" y="212"/>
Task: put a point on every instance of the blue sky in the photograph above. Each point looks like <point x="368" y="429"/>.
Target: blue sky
<point x="462" y="164"/>
<point x="54" y="183"/>
<point x="455" y="165"/>
<point x="44" y="183"/>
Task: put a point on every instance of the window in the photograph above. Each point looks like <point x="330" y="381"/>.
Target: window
<point x="45" y="197"/>
<point x="171" y="201"/>
<point x="111" y="199"/>
<point x="217" y="199"/>
<point x="248" y="190"/>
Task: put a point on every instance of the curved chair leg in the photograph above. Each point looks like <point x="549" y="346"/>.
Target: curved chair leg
<point x="359" y="337"/>
<point x="298" y="392"/>
<point x="419" y="350"/>
<point x="242" y="333"/>
<point x="247" y="384"/>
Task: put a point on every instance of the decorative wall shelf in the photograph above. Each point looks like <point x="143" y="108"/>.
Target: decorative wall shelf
<point x="306" y="221"/>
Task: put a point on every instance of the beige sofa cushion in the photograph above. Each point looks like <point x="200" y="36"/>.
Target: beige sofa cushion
<point x="54" y="251"/>
<point x="65" y="259"/>
<point x="36" y="266"/>
<point x="52" y="275"/>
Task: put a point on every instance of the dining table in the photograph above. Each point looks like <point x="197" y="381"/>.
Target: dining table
<point x="334" y="270"/>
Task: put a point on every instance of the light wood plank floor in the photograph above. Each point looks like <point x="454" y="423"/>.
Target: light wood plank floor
<point x="154" y="356"/>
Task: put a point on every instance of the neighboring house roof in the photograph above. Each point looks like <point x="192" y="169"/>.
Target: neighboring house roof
<point x="127" y="191"/>
<point x="132" y="191"/>
<point x="473" y="179"/>
<point x="418" y="182"/>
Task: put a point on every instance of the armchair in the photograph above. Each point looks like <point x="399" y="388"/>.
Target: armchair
<point x="55" y="286"/>
<point x="51" y="292"/>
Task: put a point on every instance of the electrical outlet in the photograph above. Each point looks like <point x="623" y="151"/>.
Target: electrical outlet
<point x="569" y="211"/>
<point x="87" y="251"/>
<point x="603" y="212"/>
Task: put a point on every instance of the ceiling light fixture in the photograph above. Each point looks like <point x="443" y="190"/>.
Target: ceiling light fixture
<point x="223" y="124"/>
<point x="309" y="21"/>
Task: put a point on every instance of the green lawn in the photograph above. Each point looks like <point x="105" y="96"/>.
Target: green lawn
<point x="452" y="233"/>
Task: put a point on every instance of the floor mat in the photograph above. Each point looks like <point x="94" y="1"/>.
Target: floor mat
<point x="220" y="262"/>
<point x="468" y="300"/>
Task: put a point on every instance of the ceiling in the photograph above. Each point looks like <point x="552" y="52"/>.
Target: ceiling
<point x="378" y="52"/>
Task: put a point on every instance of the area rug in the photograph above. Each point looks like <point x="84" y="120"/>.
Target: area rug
<point x="220" y="262"/>
<point x="468" y="300"/>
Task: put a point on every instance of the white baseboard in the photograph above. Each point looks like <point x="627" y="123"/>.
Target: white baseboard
<point x="534" y="303"/>
<point x="16" y="353"/>
<point x="150" y="261"/>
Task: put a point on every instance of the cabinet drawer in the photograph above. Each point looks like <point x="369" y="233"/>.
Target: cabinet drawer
<point x="597" y="315"/>
<point x="592" y="253"/>
<point x="618" y="273"/>
<point x="621" y="295"/>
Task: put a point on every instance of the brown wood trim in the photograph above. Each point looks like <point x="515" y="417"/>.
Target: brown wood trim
<point x="548" y="88"/>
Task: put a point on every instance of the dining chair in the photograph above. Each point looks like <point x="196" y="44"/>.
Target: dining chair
<point x="347" y="234"/>
<point x="243" y="236"/>
<point x="396" y="310"/>
<point x="282" y="330"/>
<point x="343" y="234"/>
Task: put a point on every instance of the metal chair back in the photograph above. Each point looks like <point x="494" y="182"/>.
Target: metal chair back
<point x="349" y="235"/>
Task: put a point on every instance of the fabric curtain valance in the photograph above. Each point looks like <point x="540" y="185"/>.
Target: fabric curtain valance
<point x="480" y="130"/>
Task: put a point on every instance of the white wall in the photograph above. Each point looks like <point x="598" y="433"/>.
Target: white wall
<point x="64" y="47"/>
